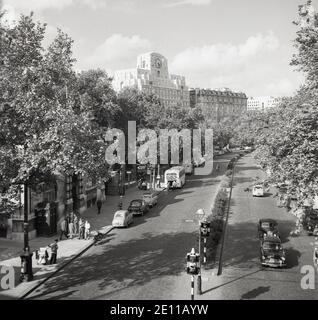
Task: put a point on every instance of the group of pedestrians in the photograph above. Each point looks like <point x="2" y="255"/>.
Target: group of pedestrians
<point x="72" y="226"/>
<point x="47" y="255"/>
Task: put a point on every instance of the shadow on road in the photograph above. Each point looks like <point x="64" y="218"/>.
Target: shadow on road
<point x="127" y="264"/>
<point x="231" y="281"/>
<point x="242" y="245"/>
<point x="255" y="293"/>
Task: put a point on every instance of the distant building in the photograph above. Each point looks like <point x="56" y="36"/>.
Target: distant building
<point x="218" y="103"/>
<point x="152" y="76"/>
<point x="261" y="103"/>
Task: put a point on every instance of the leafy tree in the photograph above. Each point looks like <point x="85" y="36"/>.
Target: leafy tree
<point x="98" y="97"/>
<point x="42" y="131"/>
<point x="289" y="145"/>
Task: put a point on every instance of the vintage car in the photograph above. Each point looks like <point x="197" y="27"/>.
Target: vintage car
<point x="189" y="168"/>
<point x="258" y="191"/>
<point x="151" y="198"/>
<point x="272" y="253"/>
<point x="267" y="227"/>
<point x="310" y="223"/>
<point x="138" y="207"/>
<point x="122" y="218"/>
<point x="142" y="184"/>
<point x="199" y="162"/>
<point x="315" y="257"/>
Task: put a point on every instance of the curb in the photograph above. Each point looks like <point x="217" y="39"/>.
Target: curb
<point x="77" y="255"/>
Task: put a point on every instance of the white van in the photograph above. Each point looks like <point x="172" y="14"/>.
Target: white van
<point x="175" y="177"/>
<point x="258" y="191"/>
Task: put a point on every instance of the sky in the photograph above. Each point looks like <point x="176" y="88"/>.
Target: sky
<point x="245" y="45"/>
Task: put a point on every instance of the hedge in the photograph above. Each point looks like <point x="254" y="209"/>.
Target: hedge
<point x="216" y="222"/>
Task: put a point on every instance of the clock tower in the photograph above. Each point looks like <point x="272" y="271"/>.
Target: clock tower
<point x="156" y="63"/>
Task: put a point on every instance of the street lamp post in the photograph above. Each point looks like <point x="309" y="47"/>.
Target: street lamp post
<point x="26" y="256"/>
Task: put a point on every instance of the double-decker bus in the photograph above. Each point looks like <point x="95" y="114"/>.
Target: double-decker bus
<point x="175" y="177"/>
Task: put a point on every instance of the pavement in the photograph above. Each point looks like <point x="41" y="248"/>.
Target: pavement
<point x="10" y="250"/>
<point x="146" y="260"/>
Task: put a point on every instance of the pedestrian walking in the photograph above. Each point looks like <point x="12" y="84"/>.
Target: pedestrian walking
<point x="63" y="229"/>
<point x="87" y="229"/>
<point x="54" y="247"/>
<point x="43" y="256"/>
<point x="81" y="228"/>
<point x="71" y="229"/>
<point x="99" y="205"/>
<point x="75" y="223"/>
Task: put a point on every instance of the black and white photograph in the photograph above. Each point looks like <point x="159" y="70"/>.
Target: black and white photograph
<point x="158" y="151"/>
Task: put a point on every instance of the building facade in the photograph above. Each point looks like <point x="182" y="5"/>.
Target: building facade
<point x="152" y="76"/>
<point x="218" y="103"/>
<point x="48" y="204"/>
<point x="261" y="103"/>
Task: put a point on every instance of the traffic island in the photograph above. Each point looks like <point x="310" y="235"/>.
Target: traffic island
<point x="216" y="226"/>
<point x="219" y="216"/>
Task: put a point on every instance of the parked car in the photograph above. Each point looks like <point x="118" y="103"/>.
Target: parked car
<point x="267" y="227"/>
<point x="151" y="198"/>
<point x="199" y="163"/>
<point x="315" y="257"/>
<point x="142" y="184"/>
<point x="122" y="218"/>
<point x="138" y="207"/>
<point x="189" y="168"/>
<point x="258" y="190"/>
<point x="272" y="253"/>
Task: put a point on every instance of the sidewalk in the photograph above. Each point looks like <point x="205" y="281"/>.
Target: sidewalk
<point x="10" y="250"/>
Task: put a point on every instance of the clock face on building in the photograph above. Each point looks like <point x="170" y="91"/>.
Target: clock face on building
<point x="158" y="63"/>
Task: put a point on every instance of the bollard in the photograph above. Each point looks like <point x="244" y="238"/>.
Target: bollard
<point x="199" y="289"/>
<point x="192" y="287"/>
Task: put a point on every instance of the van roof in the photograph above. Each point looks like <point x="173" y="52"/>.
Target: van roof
<point x="176" y="168"/>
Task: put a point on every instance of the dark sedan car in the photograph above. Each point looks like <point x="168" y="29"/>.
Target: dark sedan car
<point x="138" y="207"/>
<point x="272" y="253"/>
<point x="311" y="223"/>
<point x="267" y="227"/>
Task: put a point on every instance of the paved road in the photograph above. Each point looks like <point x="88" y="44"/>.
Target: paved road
<point x="243" y="278"/>
<point x="147" y="260"/>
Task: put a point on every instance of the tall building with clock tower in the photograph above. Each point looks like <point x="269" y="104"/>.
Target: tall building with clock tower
<point x="152" y="76"/>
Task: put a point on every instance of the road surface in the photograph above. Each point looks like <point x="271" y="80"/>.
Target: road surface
<point x="243" y="277"/>
<point x="147" y="260"/>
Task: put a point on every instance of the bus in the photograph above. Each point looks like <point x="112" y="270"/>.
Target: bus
<point x="175" y="177"/>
